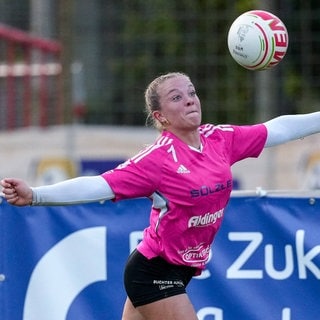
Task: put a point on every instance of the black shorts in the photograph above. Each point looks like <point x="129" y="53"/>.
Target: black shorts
<point x="149" y="280"/>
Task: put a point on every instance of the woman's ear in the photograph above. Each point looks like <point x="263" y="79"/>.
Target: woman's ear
<point x="158" y="116"/>
<point x="162" y="119"/>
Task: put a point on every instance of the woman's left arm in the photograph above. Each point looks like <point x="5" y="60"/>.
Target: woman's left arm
<point x="291" y="127"/>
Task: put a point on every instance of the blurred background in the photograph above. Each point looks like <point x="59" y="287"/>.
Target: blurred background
<point x="73" y="74"/>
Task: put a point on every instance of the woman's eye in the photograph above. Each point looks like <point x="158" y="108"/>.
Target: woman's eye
<point x="175" y="98"/>
<point x="193" y="93"/>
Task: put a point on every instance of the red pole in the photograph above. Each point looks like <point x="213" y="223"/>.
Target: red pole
<point x="59" y="103"/>
<point x="10" y="87"/>
<point x="43" y="93"/>
<point x="14" y="38"/>
<point x="27" y="87"/>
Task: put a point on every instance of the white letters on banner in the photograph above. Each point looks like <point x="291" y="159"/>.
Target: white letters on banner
<point x="218" y="313"/>
<point x="134" y="238"/>
<point x="63" y="272"/>
<point x="210" y="311"/>
<point x="286" y="314"/>
<point x="66" y="263"/>
<point x="234" y="271"/>
<point x="304" y="260"/>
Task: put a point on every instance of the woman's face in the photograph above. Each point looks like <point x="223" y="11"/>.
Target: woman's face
<point x="179" y="103"/>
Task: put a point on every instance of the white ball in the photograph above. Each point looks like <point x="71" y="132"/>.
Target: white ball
<point x="258" y="40"/>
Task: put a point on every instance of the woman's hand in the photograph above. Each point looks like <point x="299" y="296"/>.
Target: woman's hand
<point x="16" y="191"/>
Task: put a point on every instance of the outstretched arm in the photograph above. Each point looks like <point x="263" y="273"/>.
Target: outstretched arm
<point x="73" y="191"/>
<point x="291" y="127"/>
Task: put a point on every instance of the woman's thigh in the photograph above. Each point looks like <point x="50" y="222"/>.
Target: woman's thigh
<point x="130" y="312"/>
<point x="174" y="308"/>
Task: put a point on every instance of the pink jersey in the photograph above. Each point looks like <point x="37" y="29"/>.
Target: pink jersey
<point x="189" y="188"/>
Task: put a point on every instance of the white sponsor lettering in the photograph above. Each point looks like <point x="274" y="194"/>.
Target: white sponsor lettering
<point x="203" y="313"/>
<point x="199" y="254"/>
<point x="206" y="219"/>
<point x="304" y="260"/>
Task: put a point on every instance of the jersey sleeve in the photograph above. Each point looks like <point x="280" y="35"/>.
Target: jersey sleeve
<point x="247" y="141"/>
<point x="137" y="177"/>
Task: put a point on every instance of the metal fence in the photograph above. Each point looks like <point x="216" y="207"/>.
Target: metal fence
<point x="137" y="41"/>
<point x="122" y="45"/>
<point x="30" y="90"/>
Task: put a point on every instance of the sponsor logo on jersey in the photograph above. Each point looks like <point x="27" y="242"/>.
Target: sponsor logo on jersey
<point x="209" y="190"/>
<point x="166" y="284"/>
<point x="199" y="254"/>
<point x="206" y="219"/>
<point x="182" y="169"/>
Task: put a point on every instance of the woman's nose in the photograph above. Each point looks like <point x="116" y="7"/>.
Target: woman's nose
<point x="189" y="101"/>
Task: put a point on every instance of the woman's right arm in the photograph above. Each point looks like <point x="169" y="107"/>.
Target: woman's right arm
<point x="73" y="191"/>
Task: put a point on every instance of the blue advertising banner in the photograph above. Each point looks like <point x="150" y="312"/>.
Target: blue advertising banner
<point x="66" y="263"/>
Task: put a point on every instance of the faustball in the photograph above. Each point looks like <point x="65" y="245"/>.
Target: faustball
<point x="258" y="40"/>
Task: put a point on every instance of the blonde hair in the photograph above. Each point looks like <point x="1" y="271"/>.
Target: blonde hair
<point x="152" y="98"/>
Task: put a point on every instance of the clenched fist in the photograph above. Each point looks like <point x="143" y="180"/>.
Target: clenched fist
<point x="16" y="191"/>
